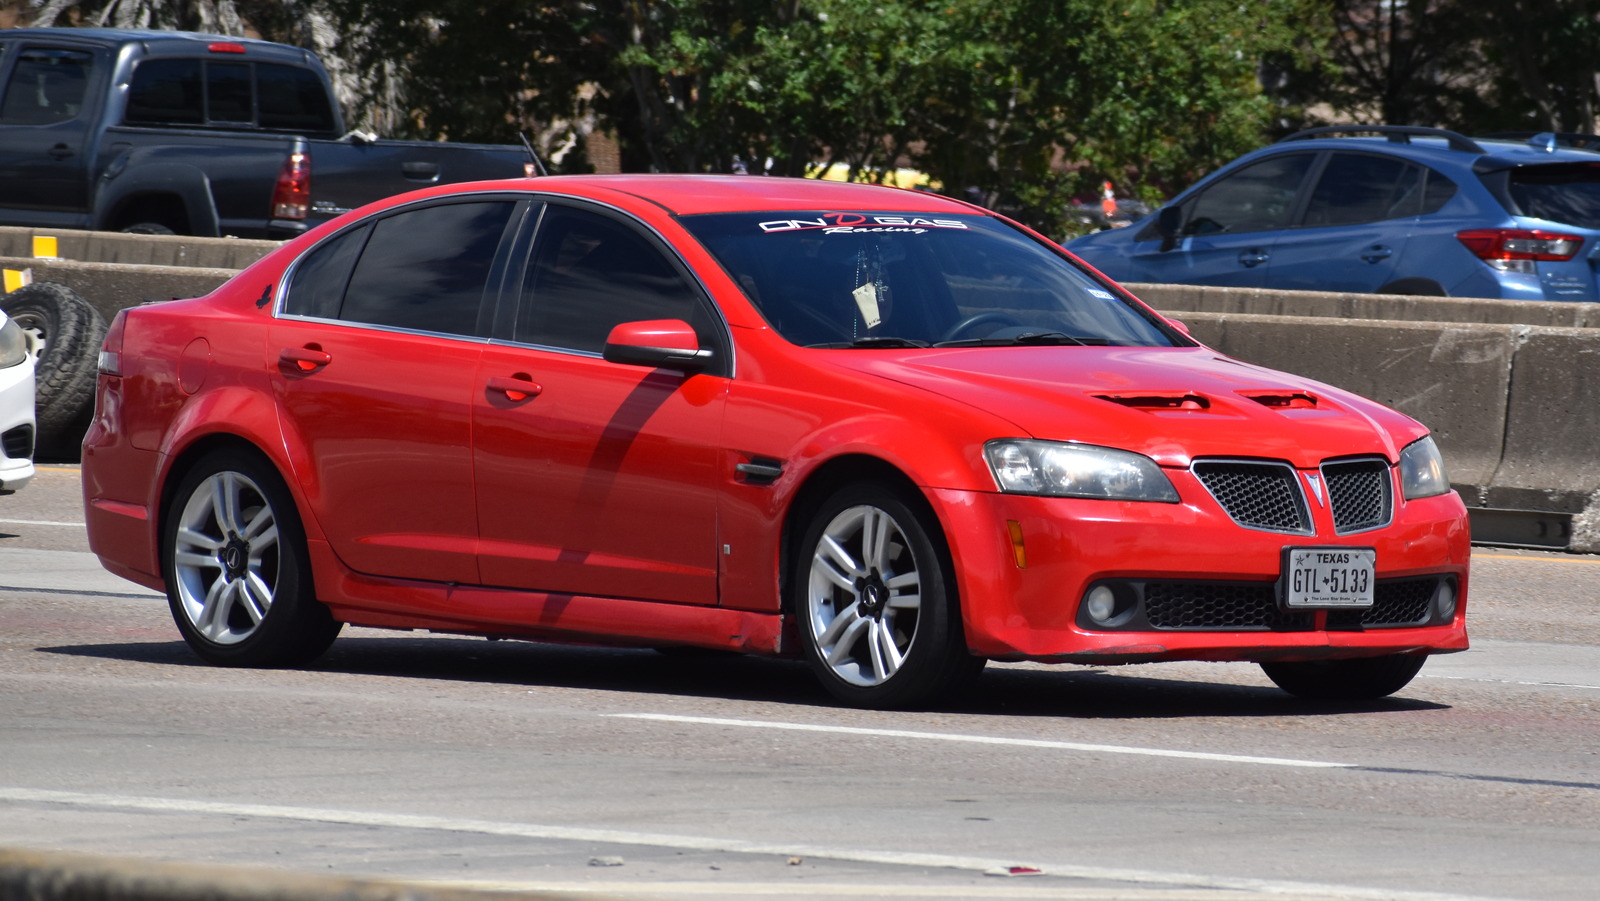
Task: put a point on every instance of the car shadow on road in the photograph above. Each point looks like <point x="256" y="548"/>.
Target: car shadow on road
<point x="1065" y="691"/>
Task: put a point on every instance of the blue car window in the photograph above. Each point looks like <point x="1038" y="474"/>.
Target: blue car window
<point x="1258" y="197"/>
<point x="1356" y="188"/>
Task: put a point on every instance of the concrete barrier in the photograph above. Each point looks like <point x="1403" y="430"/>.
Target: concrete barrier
<point x="110" y="287"/>
<point x="1182" y="299"/>
<point x="150" y="250"/>
<point x="55" y="876"/>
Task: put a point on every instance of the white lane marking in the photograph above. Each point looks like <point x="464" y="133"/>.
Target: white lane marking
<point x="1299" y="890"/>
<point x="987" y="740"/>
<point x="41" y="522"/>
<point x="1515" y="682"/>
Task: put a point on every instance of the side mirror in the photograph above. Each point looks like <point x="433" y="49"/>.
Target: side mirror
<point x="1169" y="224"/>
<point x="658" y="343"/>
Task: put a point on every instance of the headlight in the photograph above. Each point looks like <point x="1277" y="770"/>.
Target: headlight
<point x="1422" y="470"/>
<point x="1058" y="469"/>
<point x="13" y="344"/>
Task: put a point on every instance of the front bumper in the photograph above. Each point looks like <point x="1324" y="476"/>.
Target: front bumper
<point x="1022" y="603"/>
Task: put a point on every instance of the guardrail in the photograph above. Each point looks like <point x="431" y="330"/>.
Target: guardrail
<point x="1506" y="386"/>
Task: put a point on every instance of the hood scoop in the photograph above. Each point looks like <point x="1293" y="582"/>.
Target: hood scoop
<point x="1185" y="401"/>
<point x="1278" y="400"/>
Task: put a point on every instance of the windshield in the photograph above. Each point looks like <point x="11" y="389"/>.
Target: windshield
<point x="867" y="279"/>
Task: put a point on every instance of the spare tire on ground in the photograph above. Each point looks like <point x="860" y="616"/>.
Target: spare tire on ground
<point x="68" y="332"/>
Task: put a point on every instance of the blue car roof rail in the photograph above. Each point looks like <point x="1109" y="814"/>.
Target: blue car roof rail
<point x="1400" y="134"/>
<point x="1550" y="140"/>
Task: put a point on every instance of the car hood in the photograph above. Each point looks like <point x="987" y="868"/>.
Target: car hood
<point x="1171" y="404"/>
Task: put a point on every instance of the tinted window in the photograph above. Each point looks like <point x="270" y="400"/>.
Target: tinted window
<point x="47" y="86"/>
<point x="830" y="278"/>
<point x="165" y="92"/>
<point x="228" y="93"/>
<point x="1568" y="193"/>
<point x="321" y="276"/>
<point x="590" y="273"/>
<point x="1257" y="197"/>
<point x="292" y="99"/>
<point x="1356" y="188"/>
<point x="428" y="269"/>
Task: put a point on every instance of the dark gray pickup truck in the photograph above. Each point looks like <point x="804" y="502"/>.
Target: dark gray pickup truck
<point x="173" y="132"/>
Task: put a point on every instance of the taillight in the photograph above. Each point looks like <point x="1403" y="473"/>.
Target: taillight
<point x="291" y="196"/>
<point x="225" y="47"/>
<point x="110" y="362"/>
<point x="1517" y="249"/>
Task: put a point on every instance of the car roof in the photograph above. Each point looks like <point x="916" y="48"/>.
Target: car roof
<point x="688" y="195"/>
<point x="1444" y="148"/>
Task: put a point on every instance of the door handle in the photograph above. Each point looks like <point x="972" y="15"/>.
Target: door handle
<point x="1377" y="253"/>
<point x="1250" y="259"/>
<point x="59" y="152"/>
<point x="517" y="388"/>
<point x="304" y="359"/>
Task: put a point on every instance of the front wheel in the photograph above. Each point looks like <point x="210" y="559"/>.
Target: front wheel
<point x="877" y="605"/>
<point x="237" y="571"/>
<point x="1360" y="679"/>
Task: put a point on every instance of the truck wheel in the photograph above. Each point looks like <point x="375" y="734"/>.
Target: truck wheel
<point x="147" y="228"/>
<point x="68" y="333"/>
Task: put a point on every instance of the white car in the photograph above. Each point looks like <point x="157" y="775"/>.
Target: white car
<point x="16" y="406"/>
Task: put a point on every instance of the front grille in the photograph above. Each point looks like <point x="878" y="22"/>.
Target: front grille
<point x="1359" y="493"/>
<point x="1395" y="602"/>
<point x="1199" y="606"/>
<point x="18" y="442"/>
<point x="1180" y="606"/>
<point x="1264" y="496"/>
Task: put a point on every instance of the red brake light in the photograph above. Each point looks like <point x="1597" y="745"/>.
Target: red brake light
<point x="1520" y="244"/>
<point x="291" y="196"/>
<point x="225" y="47"/>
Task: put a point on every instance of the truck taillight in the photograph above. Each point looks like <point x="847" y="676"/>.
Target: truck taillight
<point x="291" y="196"/>
<point x="1517" y="249"/>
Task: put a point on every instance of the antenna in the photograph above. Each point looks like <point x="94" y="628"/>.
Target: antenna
<point x="537" y="165"/>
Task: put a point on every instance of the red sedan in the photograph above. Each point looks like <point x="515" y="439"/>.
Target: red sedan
<point x="885" y="430"/>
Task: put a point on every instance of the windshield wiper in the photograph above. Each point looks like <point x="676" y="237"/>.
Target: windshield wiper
<point x="1026" y="339"/>
<point x="873" y="341"/>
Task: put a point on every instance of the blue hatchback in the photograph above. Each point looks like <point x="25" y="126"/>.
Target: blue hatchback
<point x="1402" y="210"/>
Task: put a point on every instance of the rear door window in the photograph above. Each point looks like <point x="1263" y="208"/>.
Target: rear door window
<point x="428" y="269"/>
<point x="1356" y="188"/>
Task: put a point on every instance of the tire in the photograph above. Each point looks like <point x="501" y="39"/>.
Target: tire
<point x="233" y="555"/>
<point x="147" y="228"/>
<point x="68" y="332"/>
<point x="873" y="591"/>
<point x="1363" y="678"/>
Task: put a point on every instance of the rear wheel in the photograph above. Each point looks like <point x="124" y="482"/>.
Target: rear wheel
<point x="237" y="570"/>
<point x="1346" y="680"/>
<point x="876" y="601"/>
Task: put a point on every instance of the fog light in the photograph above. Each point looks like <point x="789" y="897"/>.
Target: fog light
<point x="1101" y="605"/>
<point x="1444" y="602"/>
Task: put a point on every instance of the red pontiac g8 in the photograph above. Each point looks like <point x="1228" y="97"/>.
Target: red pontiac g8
<point x="887" y="431"/>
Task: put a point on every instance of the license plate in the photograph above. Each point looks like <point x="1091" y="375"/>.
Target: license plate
<point x="1329" y="578"/>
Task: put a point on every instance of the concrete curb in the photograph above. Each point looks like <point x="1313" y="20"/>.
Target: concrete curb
<point x="110" y="287"/>
<point x="1182" y="299"/>
<point x="145" y="250"/>
<point x="56" y="876"/>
